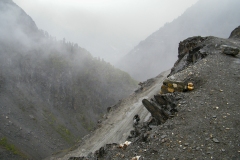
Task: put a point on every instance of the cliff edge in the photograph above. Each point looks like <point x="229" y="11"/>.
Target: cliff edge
<point x="205" y="123"/>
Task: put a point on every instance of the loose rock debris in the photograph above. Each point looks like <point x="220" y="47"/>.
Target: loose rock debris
<point x="211" y="129"/>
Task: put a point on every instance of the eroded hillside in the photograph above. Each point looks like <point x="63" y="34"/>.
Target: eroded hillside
<point x="52" y="92"/>
<point x="200" y="121"/>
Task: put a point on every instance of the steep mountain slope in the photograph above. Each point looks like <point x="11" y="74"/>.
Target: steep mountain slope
<point x="51" y="92"/>
<point x="158" y="52"/>
<point x="205" y="123"/>
<point x="118" y="122"/>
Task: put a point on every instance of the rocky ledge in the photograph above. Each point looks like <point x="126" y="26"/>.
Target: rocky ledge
<point x="202" y="122"/>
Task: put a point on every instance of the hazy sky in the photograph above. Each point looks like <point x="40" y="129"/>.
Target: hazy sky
<point x="107" y="28"/>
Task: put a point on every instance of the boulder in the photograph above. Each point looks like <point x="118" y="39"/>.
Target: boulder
<point x="230" y="50"/>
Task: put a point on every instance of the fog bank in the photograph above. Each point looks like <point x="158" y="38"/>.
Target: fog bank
<point x="108" y="29"/>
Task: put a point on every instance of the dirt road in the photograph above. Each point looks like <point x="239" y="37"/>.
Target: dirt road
<point x="117" y="126"/>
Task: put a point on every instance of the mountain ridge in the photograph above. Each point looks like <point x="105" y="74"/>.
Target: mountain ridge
<point x="198" y="123"/>
<point x="158" y="51"/>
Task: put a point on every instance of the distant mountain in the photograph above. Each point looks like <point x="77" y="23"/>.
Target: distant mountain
<point x="159" y="51"/>
<point x="52" y="93"/>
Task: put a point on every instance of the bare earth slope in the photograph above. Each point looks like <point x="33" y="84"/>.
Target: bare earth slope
<point x="118" y="123"/>
<point x="207" y="123"/>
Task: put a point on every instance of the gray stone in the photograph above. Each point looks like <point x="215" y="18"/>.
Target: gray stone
<point x="230" y="50"/>
<point x="163" y="136"/>
<point x="31" y="116"/>
<point x="215" y="140"/>
<point x="186" y="144"/>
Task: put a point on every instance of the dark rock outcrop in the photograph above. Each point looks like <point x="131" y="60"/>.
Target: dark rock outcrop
<point x="189" y="52"/>
<point x="235" y="33"/>
<point x="100" y="153"/>
<point x="155" y="111"/>
<point x="162" y="107"/>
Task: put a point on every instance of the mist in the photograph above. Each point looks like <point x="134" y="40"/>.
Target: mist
<point x="53" y="86"/>
<point x="107" y="29"/>
<point x="52" y="91"/>
<point x="159" y="51"/>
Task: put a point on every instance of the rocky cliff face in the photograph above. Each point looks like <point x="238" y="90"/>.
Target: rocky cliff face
<point x="201" y="122"/>
<point x="158" y="51"/>
<point x="52" y="93"/>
